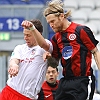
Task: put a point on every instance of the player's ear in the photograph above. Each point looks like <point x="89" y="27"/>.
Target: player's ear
<point x="61" y="16"/>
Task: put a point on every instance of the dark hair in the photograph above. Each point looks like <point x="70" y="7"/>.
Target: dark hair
<point x="52" y="62"/>
<point x="37" y="23"/>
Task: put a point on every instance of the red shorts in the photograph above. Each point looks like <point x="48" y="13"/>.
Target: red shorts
<point x="10" y="94"/>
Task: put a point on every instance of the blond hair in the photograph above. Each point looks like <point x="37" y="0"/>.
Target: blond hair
<point x="56" y="7"/>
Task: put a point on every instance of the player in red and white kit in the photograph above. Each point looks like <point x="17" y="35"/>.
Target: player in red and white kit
<point x="27" y="68"/>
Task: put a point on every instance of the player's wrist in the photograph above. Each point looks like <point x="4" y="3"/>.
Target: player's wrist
<point x="32" y="28"/>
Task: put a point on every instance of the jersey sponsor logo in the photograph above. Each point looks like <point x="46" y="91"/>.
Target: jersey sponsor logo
<point x="67" y="52"/>
<point x="48" y="96"/>
<point x="27" y="60"/>
<point x="72" y="37"/>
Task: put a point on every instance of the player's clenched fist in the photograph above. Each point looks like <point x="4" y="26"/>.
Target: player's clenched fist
<point x="28" y="25"/>
<point x="13" y="70"/>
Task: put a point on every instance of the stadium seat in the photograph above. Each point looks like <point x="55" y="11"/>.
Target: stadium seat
<point x="87" y="5"/>
<point x="94" y="17"/>
<point x="92" y="26"/>
<point x="97" y="4"/>
<point x="70" y="5"/>
<point x="50" y="35"/>
<point x="79" y="17"/>
<point x="49" y="29"/>
<point x="19" y="2"/>
<point x="98" y="38"/>
<point x="28" y="2"/>
<point x="37" y="2"/>
<point x="4" y="2"/>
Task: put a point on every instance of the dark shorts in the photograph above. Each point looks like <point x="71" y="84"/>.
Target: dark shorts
<point x="76" y="88"/>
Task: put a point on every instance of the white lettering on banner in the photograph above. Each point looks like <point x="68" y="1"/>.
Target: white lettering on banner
<point x="13" y="24"/>
<point x="1" y="25"/>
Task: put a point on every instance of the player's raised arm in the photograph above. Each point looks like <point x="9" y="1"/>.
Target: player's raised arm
<point x="40" y="39"/>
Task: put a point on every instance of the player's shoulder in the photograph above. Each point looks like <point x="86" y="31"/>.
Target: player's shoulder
<point x="44" y="84"/>
<point x="21" y="46"/>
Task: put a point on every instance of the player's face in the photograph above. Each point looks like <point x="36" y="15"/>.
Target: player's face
<point x="51" y="75"/>
<point x="29" y="38"/>
<point x="55" y="22"/>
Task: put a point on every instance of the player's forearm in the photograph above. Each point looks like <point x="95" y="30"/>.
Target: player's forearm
<point x="96" y="55"/>
<point x="40" y="39"/>
<point x="13" y="61"/>
<point x="97" y="59"/>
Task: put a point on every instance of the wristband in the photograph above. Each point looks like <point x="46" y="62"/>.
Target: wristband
<point x="32" y="28"/>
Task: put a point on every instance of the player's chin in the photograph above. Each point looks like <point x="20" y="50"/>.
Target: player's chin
<point x="51" y="80"/>
<point x="28" y="44"/>
<point x="55" y="30"/>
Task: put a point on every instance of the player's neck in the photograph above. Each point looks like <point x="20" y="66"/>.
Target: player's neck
<point x="66" y="24"/>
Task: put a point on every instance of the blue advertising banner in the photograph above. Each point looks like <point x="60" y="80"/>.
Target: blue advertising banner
<point x="11" y="23"/>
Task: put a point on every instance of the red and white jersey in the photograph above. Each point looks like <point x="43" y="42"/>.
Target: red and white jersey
<point x="32" y="70"/>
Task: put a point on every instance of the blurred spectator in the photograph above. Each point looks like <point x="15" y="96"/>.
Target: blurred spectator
<point x="49" y="87"/>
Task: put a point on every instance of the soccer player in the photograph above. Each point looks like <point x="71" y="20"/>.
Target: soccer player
<point x="27" y="68"/>
<point x="50" y="86"/>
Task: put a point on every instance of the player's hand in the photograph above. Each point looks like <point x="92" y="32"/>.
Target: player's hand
<point x="26" y="24"/>
<point x="46" y="55"/>
<point x="13" y="70"/>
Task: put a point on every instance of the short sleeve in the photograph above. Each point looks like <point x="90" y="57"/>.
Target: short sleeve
<point x="16" y="53"/>
<point x="88" y="38"/>
<point x="51" y="46"/>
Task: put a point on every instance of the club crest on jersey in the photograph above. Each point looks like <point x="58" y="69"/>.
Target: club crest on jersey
<point x="72" y="37"/>
<point x="33" y="51"/>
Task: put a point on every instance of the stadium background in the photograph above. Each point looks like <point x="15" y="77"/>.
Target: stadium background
<point x="13" y="12"/>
